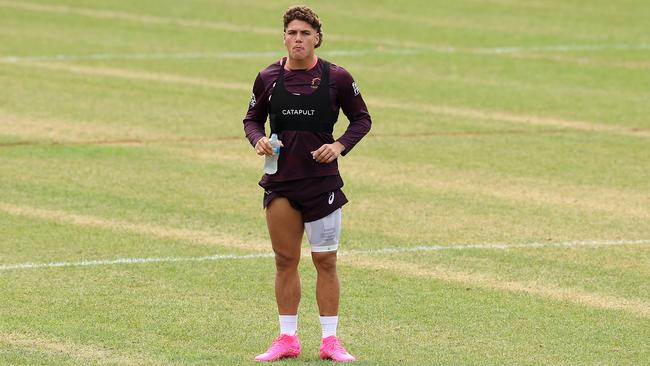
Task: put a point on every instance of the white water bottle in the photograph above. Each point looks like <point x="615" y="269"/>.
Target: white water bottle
<point x="271" y="161"/>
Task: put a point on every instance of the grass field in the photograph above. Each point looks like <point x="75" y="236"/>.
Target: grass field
<point x="499" y="209"/>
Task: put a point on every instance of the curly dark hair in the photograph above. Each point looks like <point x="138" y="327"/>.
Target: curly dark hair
<point x="304" y="13"/>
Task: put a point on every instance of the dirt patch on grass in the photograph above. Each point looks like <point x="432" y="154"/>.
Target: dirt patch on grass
<point x="84" y="354"/>
<point x="67" y="131"/>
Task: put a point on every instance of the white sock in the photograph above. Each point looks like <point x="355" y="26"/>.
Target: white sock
<point x="288" y="324"/>
<point x="328" y="325"/>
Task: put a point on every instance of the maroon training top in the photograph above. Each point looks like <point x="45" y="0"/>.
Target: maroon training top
<point x="344" y="94"/>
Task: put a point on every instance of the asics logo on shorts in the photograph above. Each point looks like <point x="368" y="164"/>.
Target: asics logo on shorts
<point x="331" y="199"/>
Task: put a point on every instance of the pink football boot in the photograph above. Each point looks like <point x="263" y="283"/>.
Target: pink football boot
<point x="332" y="349"/>
<point x="283" y="346"/>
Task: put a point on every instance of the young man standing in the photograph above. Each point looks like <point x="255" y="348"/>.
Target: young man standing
<point x="302" y="94"/>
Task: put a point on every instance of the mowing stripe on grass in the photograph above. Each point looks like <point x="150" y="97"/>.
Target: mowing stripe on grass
<point x="65" y="131"/>
<point x="136" y="18"/>
<point x="59" y="132"/>
<point x="143" y="141"/>
<point x="578" y="296"/>
<point x="353" y="253"/>
<point x="230" y="27"/>
<point x="430" y="178"/>
<point x="185" y="235"/>
<point x="222" y="26"/>
<point x="508" y="117"/>
<point x="374" y="102"/>
<point x="138" y="75"/>
<point x="616" y="202"/>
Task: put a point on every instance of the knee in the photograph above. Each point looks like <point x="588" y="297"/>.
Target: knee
<point x="325" y="262"/>
<point x="286" y="262"/>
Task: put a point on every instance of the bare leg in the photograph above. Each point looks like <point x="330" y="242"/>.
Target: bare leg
<point x="327" y="283"/>
<point x="286" y="229"/>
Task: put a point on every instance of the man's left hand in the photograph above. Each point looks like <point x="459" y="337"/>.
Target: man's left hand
<point x="328" y="152"/>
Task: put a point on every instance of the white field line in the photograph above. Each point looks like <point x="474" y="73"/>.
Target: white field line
<point x="231" y="27"/>
<point x="103" y="262"/>
<point x="195" y="55"/>
<point x="362" y="252"/>
<point x="563" y="48"/>
<point x="330" y="53"/>
<point x="141" y="56"/>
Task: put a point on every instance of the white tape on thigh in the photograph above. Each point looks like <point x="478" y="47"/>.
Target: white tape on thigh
<point x="324" y="234"/>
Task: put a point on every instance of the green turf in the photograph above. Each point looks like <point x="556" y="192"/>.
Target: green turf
<point x="493" y="122"/>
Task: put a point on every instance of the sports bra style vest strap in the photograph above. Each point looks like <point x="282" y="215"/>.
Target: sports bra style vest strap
<point x="302" y="112"/>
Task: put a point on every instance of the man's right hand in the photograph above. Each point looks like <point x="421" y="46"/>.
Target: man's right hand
<point x="263" y="146"/>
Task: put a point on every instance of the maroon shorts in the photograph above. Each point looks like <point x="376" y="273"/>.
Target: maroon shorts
<point x="312" y="208"/>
